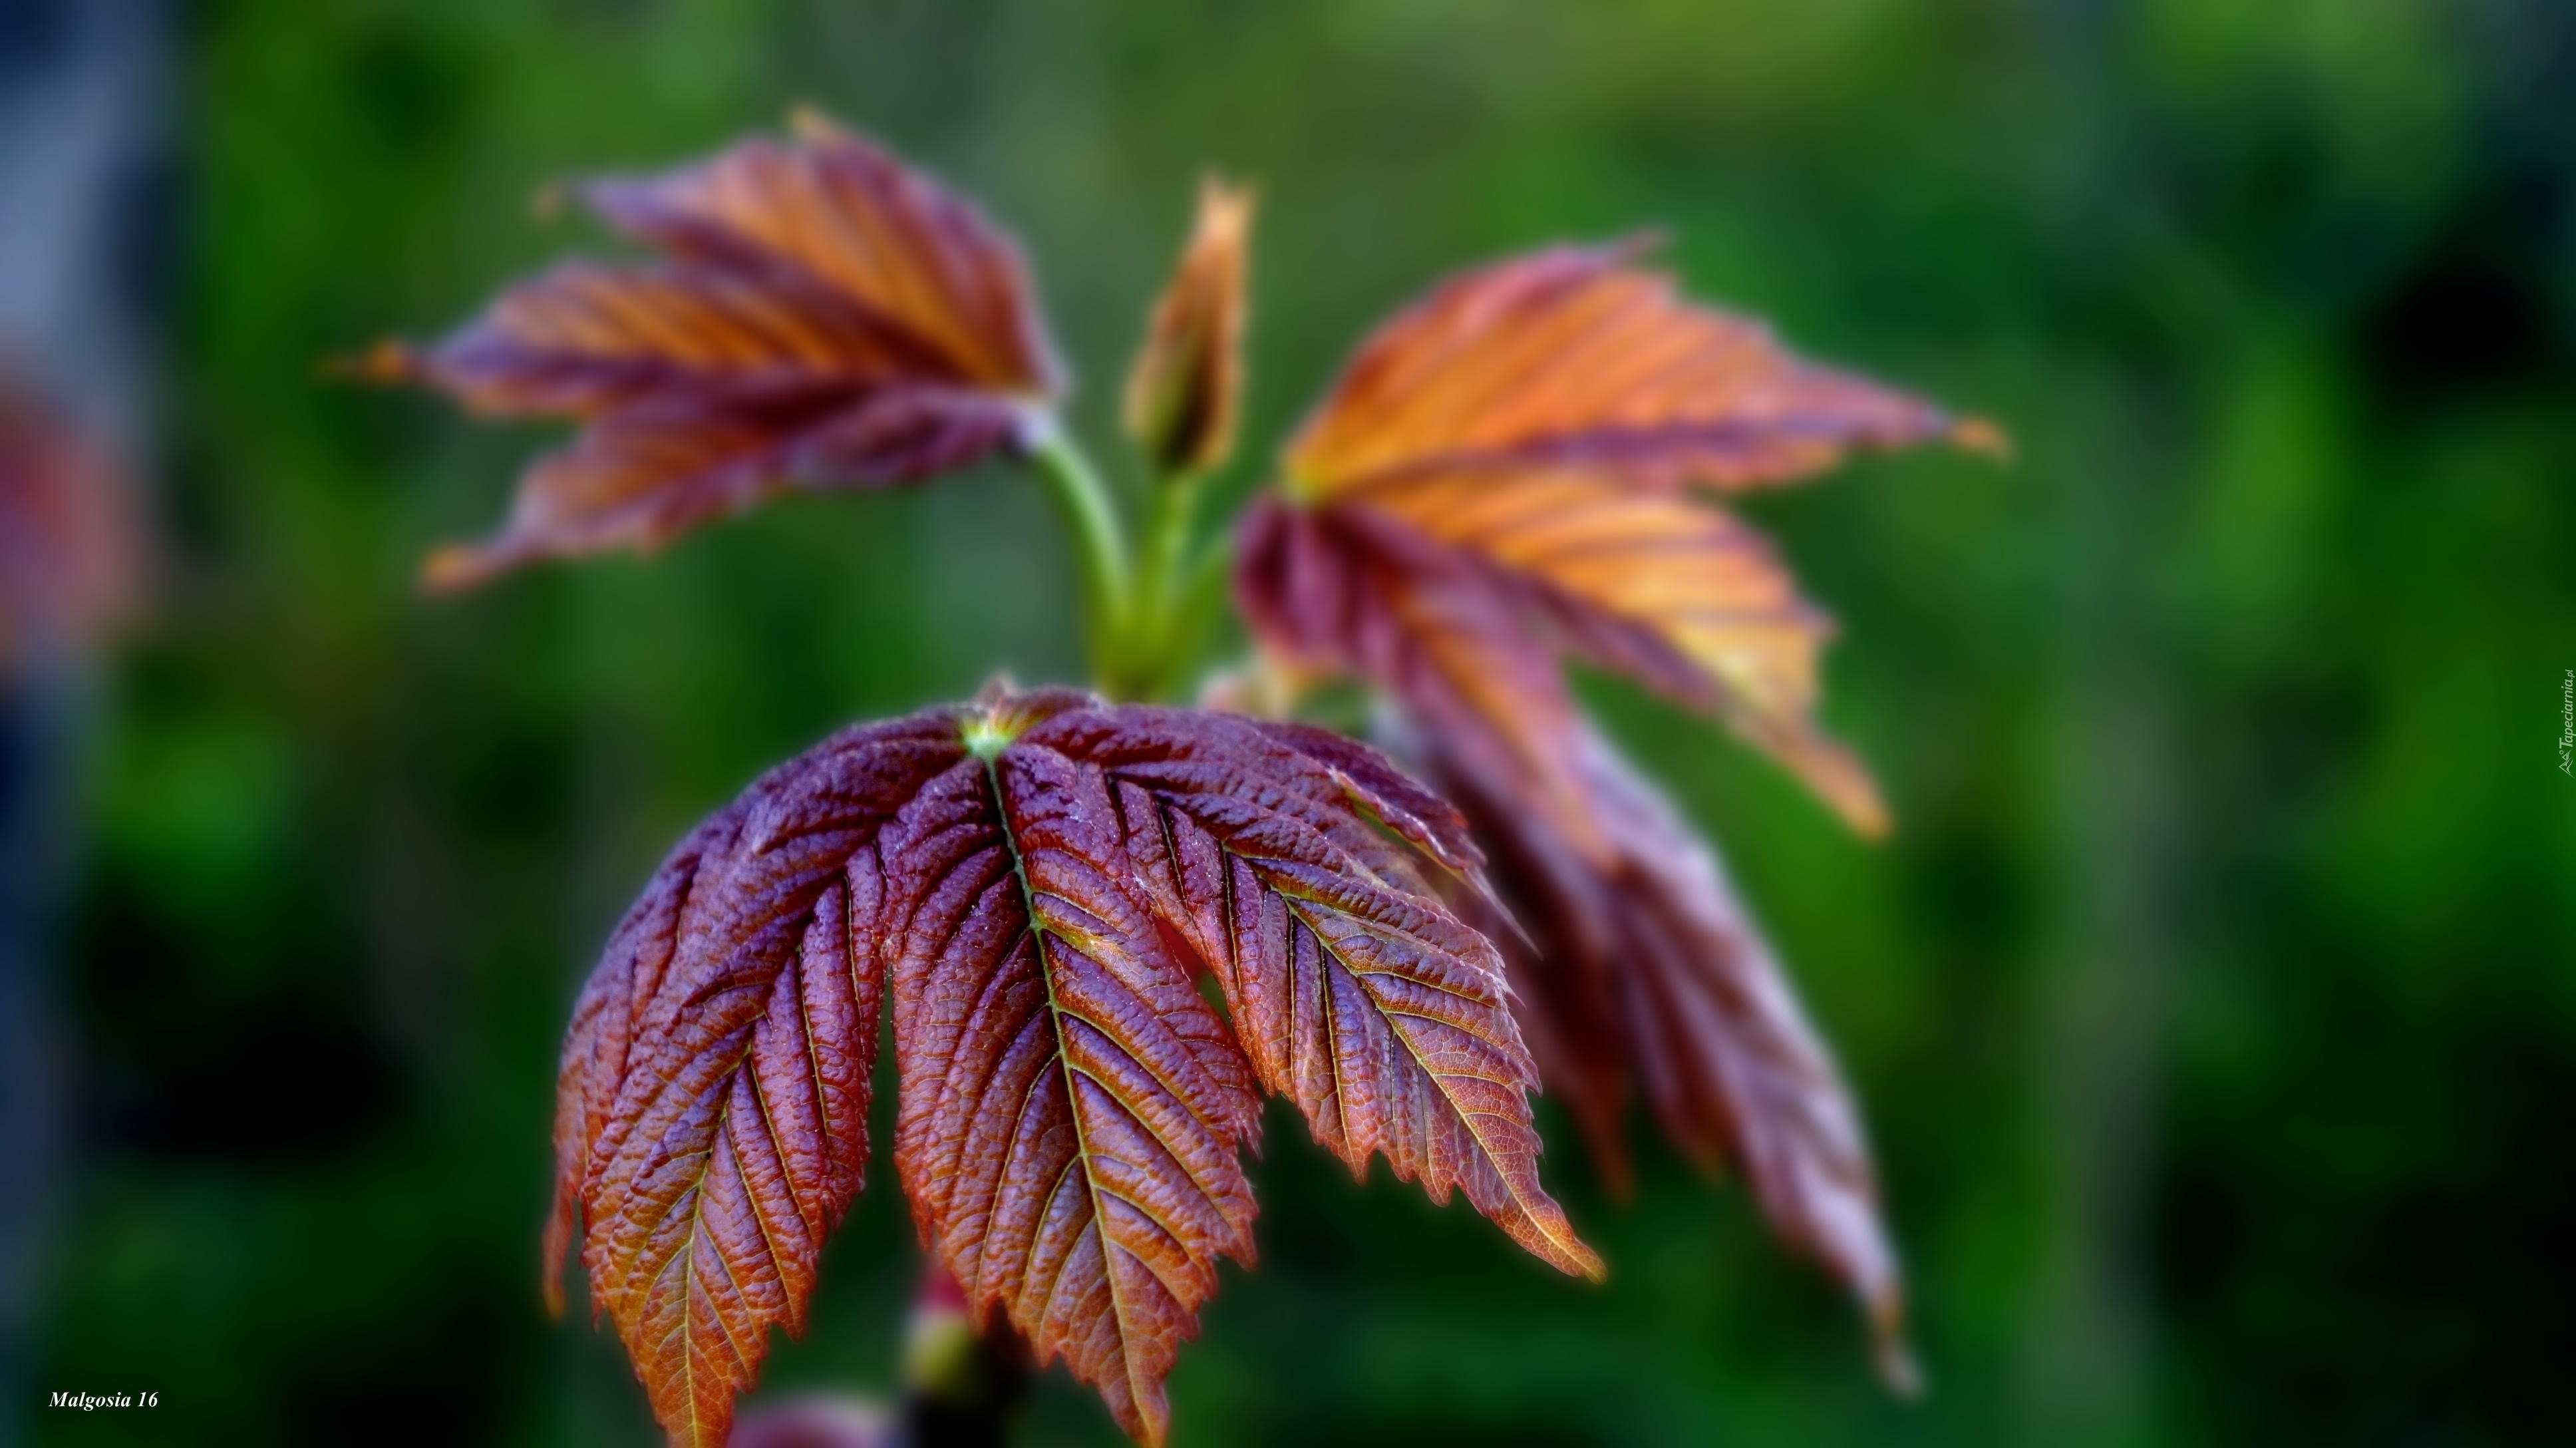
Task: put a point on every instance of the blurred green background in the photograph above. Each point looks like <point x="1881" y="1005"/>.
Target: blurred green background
<point x="2214" y="1006"/>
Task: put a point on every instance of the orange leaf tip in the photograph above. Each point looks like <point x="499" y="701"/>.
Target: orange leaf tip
<point x="1977" y="435"/>
<point x="385" y="361"/>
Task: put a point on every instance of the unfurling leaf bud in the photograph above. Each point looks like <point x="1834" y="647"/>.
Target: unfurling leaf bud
<point x="1181" y="395"/>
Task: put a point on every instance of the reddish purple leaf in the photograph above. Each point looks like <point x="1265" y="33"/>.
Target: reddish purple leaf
<point x="820" y="317"/>
<point x="1502" y="479"/>
<point x="1071" y="1109"/>
<point x="1642" y="973"/>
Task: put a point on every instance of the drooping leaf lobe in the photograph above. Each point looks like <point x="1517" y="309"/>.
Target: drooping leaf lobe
<point x="1580" y="357"/>
<point x="1071" y="1109"/>
<point x="1328" y="592"/>
<point x="1184" y="390"/>
<point x="820" y="316"/>
<point x="1353" y="991"/>
<point x="1505" y="470"/>
<point x="1643" y="973"/>
<point x="712" y="1117"/>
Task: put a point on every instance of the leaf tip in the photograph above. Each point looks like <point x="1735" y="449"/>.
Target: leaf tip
<point x="1977" y="435"/>
<point x="1869" y="817"/>
<point x="1896" y="1364"/>
<point x="1838" y="778"/>
<point x="1225" y="208"/>
<point x="562" y="1222"/>
<point x="1540" y="1227"/>
<point x="384" y="362"/>
<point x="1153" y="1422"/>
<point x="456" y="568"/>
<point x="812" y="125"/>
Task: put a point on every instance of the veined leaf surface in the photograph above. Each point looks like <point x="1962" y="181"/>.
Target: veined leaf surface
<point x="1641" y="973"/>
<point x="1355" y="994"/>
<point x="1511" y="463"/>
<point x="819" y="316"/>
<point x="1071" y="1109"/>
<point x="1027" y="870"/>
<point x="1526" y="468"/>
<point x="711" y="1115"/>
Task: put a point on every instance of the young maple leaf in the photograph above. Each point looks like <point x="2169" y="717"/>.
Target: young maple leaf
<point x="1036" y="875"/>
<point x="1639" y="968"/>
<point x="1511" y="474"/>
<point x="69" y="550"/>
<point x="1502" y="478"/>
<point x="1184" y="391"/>
<point x="820" y="317"/>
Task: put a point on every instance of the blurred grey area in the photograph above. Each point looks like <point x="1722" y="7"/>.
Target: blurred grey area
<point x="84" y="177"/>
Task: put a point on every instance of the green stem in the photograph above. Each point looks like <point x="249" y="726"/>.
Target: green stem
<point x="1138" y="611"/>
<point x="1100" y="544"/>
<point x="1163" y="594"/>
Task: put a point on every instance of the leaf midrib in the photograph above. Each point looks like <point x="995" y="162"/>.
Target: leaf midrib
<point x="1039" y="936"/>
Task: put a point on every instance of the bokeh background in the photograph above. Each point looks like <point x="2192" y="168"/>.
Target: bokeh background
<point x="2214" y="1006"/>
